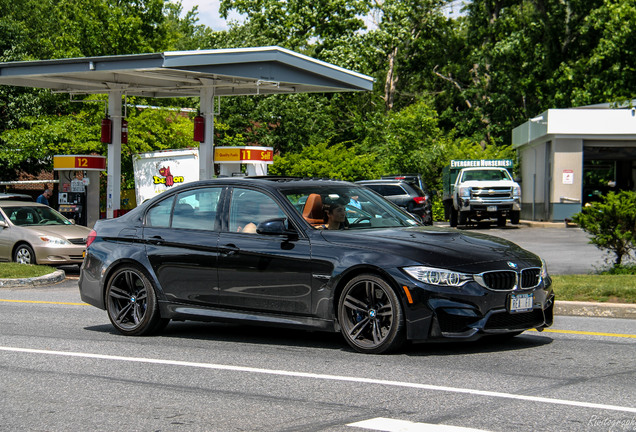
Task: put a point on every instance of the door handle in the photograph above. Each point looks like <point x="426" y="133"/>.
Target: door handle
<point x="230" y="249"/>
<point x="156" y="240"/>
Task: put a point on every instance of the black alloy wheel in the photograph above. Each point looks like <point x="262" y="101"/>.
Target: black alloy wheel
<point x="371" y="316"/>
<point x="24" y="254"/>
<point x="131" y="303"/>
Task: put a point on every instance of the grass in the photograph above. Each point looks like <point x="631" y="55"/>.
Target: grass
<point x="604" y="288"/>
<point x="19" y="271"/>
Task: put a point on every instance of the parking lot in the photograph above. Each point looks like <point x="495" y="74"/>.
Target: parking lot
<point x="566" y="250"/>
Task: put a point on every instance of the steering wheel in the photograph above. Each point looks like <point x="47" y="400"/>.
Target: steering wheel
<point x="361" y="219"/>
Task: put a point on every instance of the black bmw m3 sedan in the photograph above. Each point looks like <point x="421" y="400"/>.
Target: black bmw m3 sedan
<point x="263" y="251"/>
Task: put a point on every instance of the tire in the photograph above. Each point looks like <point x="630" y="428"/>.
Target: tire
<point x="453" y="217"/>
<point x="371" y="316"/>
<point x="514" y="217"/>
<point x="462" y="218"/>
<point x="24" y="254"/>
<point x="501" y="221"/>
<point x="131" y="303"/>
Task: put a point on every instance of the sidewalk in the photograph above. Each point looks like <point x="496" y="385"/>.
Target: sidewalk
<point x="564" y="308"/>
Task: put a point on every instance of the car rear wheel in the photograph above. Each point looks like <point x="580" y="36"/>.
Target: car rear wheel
<point x="131" y="303"/>
<point x="24" y="254"/>
<point x="371" y="316"/>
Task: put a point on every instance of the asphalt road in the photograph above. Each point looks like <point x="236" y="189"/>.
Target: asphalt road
<point x="62" y="368"/>
<point x="566" y="250"/>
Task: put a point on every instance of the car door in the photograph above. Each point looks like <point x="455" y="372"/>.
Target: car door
<point x="6" y="239"/>
<point x="181" y="235"/>
<point x="266" y="273"/>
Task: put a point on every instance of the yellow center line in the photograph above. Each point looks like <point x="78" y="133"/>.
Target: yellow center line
<point x="43" y="302"/>
<point x="578" y="332"/>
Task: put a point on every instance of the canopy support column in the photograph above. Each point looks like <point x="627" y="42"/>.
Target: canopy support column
<point x="206" y="148"/>
<point x="113" y="187"/>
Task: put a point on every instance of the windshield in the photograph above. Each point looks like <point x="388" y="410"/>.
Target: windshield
<point x="485" y="175"/>
<point x="362" y="208"/>
<point x="32" y="215"/>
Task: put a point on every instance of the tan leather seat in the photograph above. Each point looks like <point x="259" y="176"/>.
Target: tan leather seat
<point x="312" y="212"/>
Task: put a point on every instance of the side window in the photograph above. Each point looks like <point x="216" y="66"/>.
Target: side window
<point x="392" y="190"/>
<point x="196" y="209"/>
<point x="249" y="208"/>
<point x="159" y="215"/>
<point x="378" y="188"/>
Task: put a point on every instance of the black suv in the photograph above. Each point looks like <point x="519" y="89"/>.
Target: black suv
<point x="405" y="192"/>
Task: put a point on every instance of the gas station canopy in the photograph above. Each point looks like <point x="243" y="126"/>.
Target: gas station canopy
<point x="232" y="72"/>
<point x="205" y="74"/>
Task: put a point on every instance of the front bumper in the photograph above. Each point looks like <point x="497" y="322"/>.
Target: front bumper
<point x="491" y="207"/>
<point x="469" y="313"/>
<point x="59" y="255"/>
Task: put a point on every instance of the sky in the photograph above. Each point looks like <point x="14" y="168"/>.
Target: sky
<point x="208" y="13"/>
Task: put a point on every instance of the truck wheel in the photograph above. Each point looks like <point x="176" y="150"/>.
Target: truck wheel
<point x="501" y="221"/>
<point x="463" y="218"/>
<point x="514" y="217"/>
<point x="453" y="217"/>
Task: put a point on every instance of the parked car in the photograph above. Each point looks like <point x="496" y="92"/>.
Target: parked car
<point x="32" y="233"/>
<point x="16" y="197"/>
<point x="404" y="193"/>
<point x="383" y="280"/>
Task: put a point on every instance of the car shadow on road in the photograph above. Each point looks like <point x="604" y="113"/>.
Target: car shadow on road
<point x="301" y="339"/>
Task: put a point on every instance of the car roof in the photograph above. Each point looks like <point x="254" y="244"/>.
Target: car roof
<point x="383" y="181"/>
<point x="12" y="203"/>
<point x="16" y="197"/>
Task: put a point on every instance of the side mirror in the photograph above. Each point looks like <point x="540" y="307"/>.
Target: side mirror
<point x="3" y="224"/>
<point x="517" y="179"/>
<point x="276" y="227"/>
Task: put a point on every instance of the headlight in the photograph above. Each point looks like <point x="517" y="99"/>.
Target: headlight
<point x="55" y="241"/>
<point x="516" y="191"/>
<point x="464" y="192"/>
<point x="435" y="276"/>
<point x="544" y="269"/>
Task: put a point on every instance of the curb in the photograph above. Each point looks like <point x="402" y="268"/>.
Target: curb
<point x="590" y="309"/>
<point x="49" y="279"/>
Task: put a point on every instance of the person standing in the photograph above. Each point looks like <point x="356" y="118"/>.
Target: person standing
<point x="44" y="198"/>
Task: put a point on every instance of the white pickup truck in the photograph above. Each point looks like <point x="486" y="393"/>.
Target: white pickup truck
<point x="479" y="193"/>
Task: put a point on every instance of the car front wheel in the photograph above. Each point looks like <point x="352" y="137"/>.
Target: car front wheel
<point x="24" y="254"/>
<point x="371" y="316"/>
<point x="131" y="303"/>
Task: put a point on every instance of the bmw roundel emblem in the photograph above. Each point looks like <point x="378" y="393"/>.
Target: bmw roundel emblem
<point x="512" y="265"/>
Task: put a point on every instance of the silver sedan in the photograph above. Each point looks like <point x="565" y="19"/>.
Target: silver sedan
<point x="32" y="233"/>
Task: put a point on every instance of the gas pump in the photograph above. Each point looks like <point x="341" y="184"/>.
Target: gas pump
<point x="78" y="190"/>
<point x="72" y="199"/>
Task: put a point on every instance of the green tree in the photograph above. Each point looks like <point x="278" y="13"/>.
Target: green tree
<point x="326" y="161"/>
<point x="301" y="25"/>
<point x="612" y="223"/>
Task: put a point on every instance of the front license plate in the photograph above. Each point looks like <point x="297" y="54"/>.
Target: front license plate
<point x="521" y="302"/>
<point x="491" y="208"/>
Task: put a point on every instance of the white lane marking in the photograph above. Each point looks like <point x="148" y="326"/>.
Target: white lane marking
<point x="392" y="425"/>
<point x="324" y="377"/>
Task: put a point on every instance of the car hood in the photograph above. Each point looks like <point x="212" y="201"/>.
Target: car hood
<point x="488" y="183"/>
<point x="66" y="231"/>
<point x="440" y="247"/>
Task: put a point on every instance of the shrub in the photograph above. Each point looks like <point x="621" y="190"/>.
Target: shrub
<point x="612" y="223"/>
